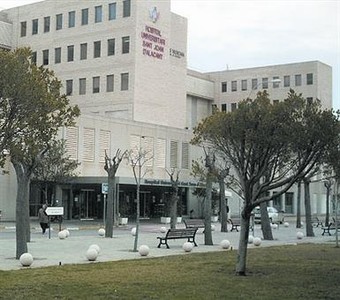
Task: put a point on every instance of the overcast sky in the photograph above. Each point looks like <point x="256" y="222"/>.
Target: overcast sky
<point x="239" y="34"/>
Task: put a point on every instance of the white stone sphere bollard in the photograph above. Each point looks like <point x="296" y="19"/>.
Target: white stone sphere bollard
<point x="67" y="233"/>
<point x="274" y="226"/>
<point x="163" y="229"/>
<point x="257" y="241"/>
<point x="91" y="254"/>
<point x="101" y="232"/>
<point x="213" y="227"/>
<point x="144" y="250"/>
<point x="95" y="247"/>
<point x="187" y="246"/>
<point x="225" y="244"/>
<point x="26" y="259"/>
<point x="62" y="235"/>
<point x="286" y="224"/>
<point x="250" y="239"/>
<point x="299" y="235"/>
<point x="133" y="231"/>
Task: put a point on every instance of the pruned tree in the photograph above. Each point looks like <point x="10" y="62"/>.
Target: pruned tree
<point x="174" y="179"/>
<point x="260" y="141"/>
<point x="138" y="160"/>
<point x="111" y="167"/>
<point x="54" y="167"/>
<point x="36" y="110"/>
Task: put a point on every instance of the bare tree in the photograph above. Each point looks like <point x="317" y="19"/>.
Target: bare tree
<point x="174" y="179"/>
<point x="138" y="160"/>
<point x="111" y="167"/>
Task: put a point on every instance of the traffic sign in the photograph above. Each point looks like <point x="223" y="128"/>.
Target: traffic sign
<point x="105" y="188"/>
<point x="55" y="211"/>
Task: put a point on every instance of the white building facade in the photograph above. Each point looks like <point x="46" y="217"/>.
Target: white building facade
<point x="124" y="63"/>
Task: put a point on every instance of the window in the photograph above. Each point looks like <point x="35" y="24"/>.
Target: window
<point x="309" y="100"/>
<point x="83" y="51"/>
<point x="57" y="55"/>
<point x="234" y="86"/>
<point x="276" y="82"/>
<point x="244" y="85"/>
<point x="96" y="84"/>
<point x="82" y="86"/>
<point x="173" y="154"/>
<point x="70" y="53"/>
<point x="35" y="26"/>
<point x="98" y="16"/>
<point x="96" y="49"/>
<point x="71" y="19"/>
<point x="109" y="83"/>
<point x="124" y="85"/>
<point x="224" y="107"/>
<point x="85" y="16"/>
<point x="112" y="11"/>
<point x="265" y="83"/>
<point x="110" y="47"/>
<point x="23" y="29"/>
<point x="298" y="80"/>
<point x="233" y="106"/>
<point x="125" y="44"/>
<point x="126" y="8"/>
<point x="185" y="155"/>
<point x="309" y="78"/>
<point x="286" y="81"/>
<point x="47" y="24"/>
<point x="34" y="57"/>
<point x="254" y="84"/>
<point x="59" y="22"/>
<point x="45" y="57"/>
<point x="224" y="87"/>
<point x="69" y="87"/>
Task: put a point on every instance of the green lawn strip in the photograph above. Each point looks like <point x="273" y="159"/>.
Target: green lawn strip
<point x="306" y="271"/>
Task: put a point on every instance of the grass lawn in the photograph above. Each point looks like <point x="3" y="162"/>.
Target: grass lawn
<point x="305" y="271"/>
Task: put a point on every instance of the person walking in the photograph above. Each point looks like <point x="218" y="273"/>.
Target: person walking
<point x="43" y="218"/>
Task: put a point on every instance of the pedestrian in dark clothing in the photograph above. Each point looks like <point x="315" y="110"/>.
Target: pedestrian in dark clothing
<point x="43" y="218"/>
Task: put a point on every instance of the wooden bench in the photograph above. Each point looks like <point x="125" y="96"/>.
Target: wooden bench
<point x="182" y="233"/>
<point x="331" y="226"/>
<point x="235" y="223"/>
<point x="194" y="223"/>
<point x="316" y="221"/>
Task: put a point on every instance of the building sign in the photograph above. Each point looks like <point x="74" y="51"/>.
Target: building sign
<point x="176" y="53"/>
<point x="154" y="14"/>
<point x="153" y="43"/>
<point x="168" y="182"/>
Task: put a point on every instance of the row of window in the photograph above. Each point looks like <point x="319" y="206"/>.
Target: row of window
<point x="83" y="51"/>
<point x="96" y="84"/>
<point x="71" y="22"/>
<point x="255" y="83"/>
<point x="233" y="106"/>
<point x="156" y="148"/>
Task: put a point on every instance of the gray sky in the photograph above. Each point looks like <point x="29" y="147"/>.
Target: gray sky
<point x="239" y="34"/>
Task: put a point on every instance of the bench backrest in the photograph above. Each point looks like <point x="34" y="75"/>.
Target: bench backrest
<point x="194" y="221"/>
<point x="186" y="232"/>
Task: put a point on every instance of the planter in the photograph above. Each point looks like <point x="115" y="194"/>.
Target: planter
<point x="214" y="219"/>
<point x="165" y="220"/>
<point x="179" y="220"/>
<point x="123" y="221"/>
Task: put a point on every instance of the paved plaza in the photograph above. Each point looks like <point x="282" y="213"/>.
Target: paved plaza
<point x="52" y="251"/>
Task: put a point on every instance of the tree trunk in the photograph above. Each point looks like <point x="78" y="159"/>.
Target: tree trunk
<point x="243" y="245"/>
<point x="298" y="206"/>
<point x="137" y="218"/>
<point x="109" y="207"/>
<point x="22" y="209"/>
<point x="265" y="223"/>
<point x="207" y="213"/>
<point x="309" y="226"/>
<point x="173" y="211"/>
<point x="223" y="207"/>
<point x="328" y="188"/>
